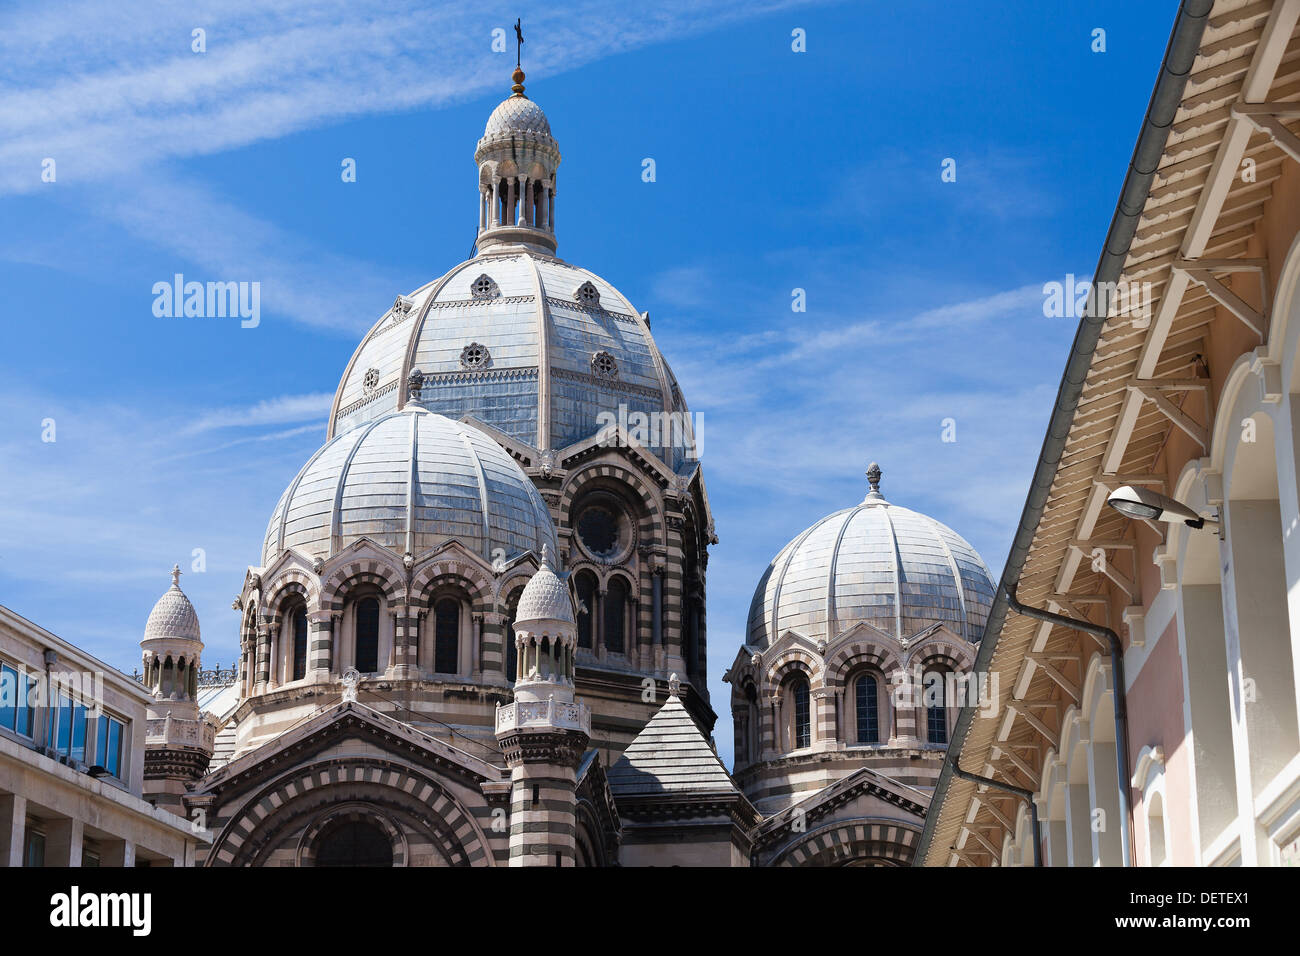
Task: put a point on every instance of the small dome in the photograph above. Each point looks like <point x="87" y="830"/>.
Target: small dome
<point x="897" y="570"/>
<point x="173" y="617"/>
<point x="517" y="114"/>
<point x="411" y="481"/>
<point x="545" y="598"/>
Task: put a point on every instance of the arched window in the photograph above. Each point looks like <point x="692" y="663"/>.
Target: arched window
<point x="446" y="636"/>
<point x="801" y="723"/>
<point x="866" y="708"/>
<point x="616" y="615"/>
<point x="299" y="628"/>
<point x="586" y="588"/>
<point x="367" y="655"/>
<point x="354" y="843"/>
<point x="936" y="707"/>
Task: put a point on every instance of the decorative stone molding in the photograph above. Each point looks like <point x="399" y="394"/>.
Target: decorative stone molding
<point x="1270" y="376"/>
<point x="1135" y="621"/>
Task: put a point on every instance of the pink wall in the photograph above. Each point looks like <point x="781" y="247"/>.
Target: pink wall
<point x="1155" y="714"/>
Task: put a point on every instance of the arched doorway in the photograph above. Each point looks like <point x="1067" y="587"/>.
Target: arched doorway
<point x="354" y="843"/>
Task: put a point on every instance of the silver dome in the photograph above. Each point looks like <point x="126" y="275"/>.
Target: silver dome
<point x="411" y="481"/>
<point x="540" y="327"/>
<point x="877" y="563"/>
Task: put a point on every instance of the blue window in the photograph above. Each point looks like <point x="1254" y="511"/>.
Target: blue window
<point x="866" y="693"/>
<point x="109" y="751"/>
<point x="802" y="722"/>
<point x="936" y="714"/>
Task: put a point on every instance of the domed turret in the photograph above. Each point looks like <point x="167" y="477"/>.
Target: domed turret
<point x="546" y="598"/>
<point x="894" y="569"/>
<point x="178" y="740"/>
<point x="171" y="645"/>
<point x="517" y="159"/>
<point x="859" y="633"/>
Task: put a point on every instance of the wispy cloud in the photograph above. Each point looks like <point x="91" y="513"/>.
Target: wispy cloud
<point x="106" y="88"/>
<point x="272" y="411"/>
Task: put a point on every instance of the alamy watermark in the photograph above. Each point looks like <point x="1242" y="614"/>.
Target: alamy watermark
<point x="680" y="430"/>
<point x="208" y="300"/>
<point x="1082" y="298"/>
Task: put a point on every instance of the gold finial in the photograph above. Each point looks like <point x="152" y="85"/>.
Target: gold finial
<point x="518" y="75"/>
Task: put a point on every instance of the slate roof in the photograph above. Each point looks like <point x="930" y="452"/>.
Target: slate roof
<point x="670" y="755"/>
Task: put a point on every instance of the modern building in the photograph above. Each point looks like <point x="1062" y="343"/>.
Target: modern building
<point x="1151" y="715"/>
<point x="73" y="757"/>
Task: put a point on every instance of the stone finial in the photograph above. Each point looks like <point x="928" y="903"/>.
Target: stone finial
<point x="674" y="686"/>
<point x="873" y="477"/>
<point x="546" y="554"/>
<point x="176" y="576"/>
<point x="414" y="385"/>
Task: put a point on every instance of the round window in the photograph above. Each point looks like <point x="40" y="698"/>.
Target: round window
<point x="598" y="529"/>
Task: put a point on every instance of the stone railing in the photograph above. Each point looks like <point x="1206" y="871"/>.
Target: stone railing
<point x="176" y="731"/>
<point x="542" y="714"/>
<point x="216" y="677"/>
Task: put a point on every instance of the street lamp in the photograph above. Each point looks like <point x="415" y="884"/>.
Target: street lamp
<point x="1143" y="503"/>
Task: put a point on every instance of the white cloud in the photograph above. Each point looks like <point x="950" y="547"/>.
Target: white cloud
<point x="272" y="411"/>
<point x="104" y="92"/>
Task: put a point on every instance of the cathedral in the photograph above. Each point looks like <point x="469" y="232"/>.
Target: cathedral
<point x="477" y="634"/>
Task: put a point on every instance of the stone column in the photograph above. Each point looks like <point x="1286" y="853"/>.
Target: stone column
<point x="320" y="651"/>
<point x="482" y="208"/>
<point x="263" y="656"/>
<point x="63" y="840"/>
<point x="525" y="201"/>
<point x="13" y="829"/>
<point x="495" y="218"/>
<point x="117" y="853"/>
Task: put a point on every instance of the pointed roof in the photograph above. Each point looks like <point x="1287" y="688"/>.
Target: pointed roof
<point x="670" y="755"/>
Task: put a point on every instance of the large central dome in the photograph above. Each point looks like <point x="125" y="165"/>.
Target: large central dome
<point x="523" y="342"/>
<point x="540" y="350"/>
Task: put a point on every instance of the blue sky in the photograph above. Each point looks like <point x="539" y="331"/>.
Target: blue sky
<point x="776" y="170"/>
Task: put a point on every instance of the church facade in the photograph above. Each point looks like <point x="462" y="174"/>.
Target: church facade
<point x="477" y="632"/>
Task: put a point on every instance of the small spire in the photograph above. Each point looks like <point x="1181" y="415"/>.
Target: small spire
<point x="674" y="685"/>
<point x="176" y="576"/>
<point x="546" y="555"/>
<point x="518" y="75"/>
<point x="873" y="478"/>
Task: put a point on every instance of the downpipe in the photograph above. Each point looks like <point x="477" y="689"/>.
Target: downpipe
<point x="1121" y="705"/>
<point x="1020" y="792"/>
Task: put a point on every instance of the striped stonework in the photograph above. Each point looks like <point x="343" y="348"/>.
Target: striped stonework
<point x="347" y="577"/>
<point x="543" y="787"/>
<point x="881" y="844"/>
<point x="543" y="807"/>
<point x="320" y="653"/>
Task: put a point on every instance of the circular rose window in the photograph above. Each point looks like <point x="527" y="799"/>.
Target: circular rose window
<point x="603" y="531"/>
